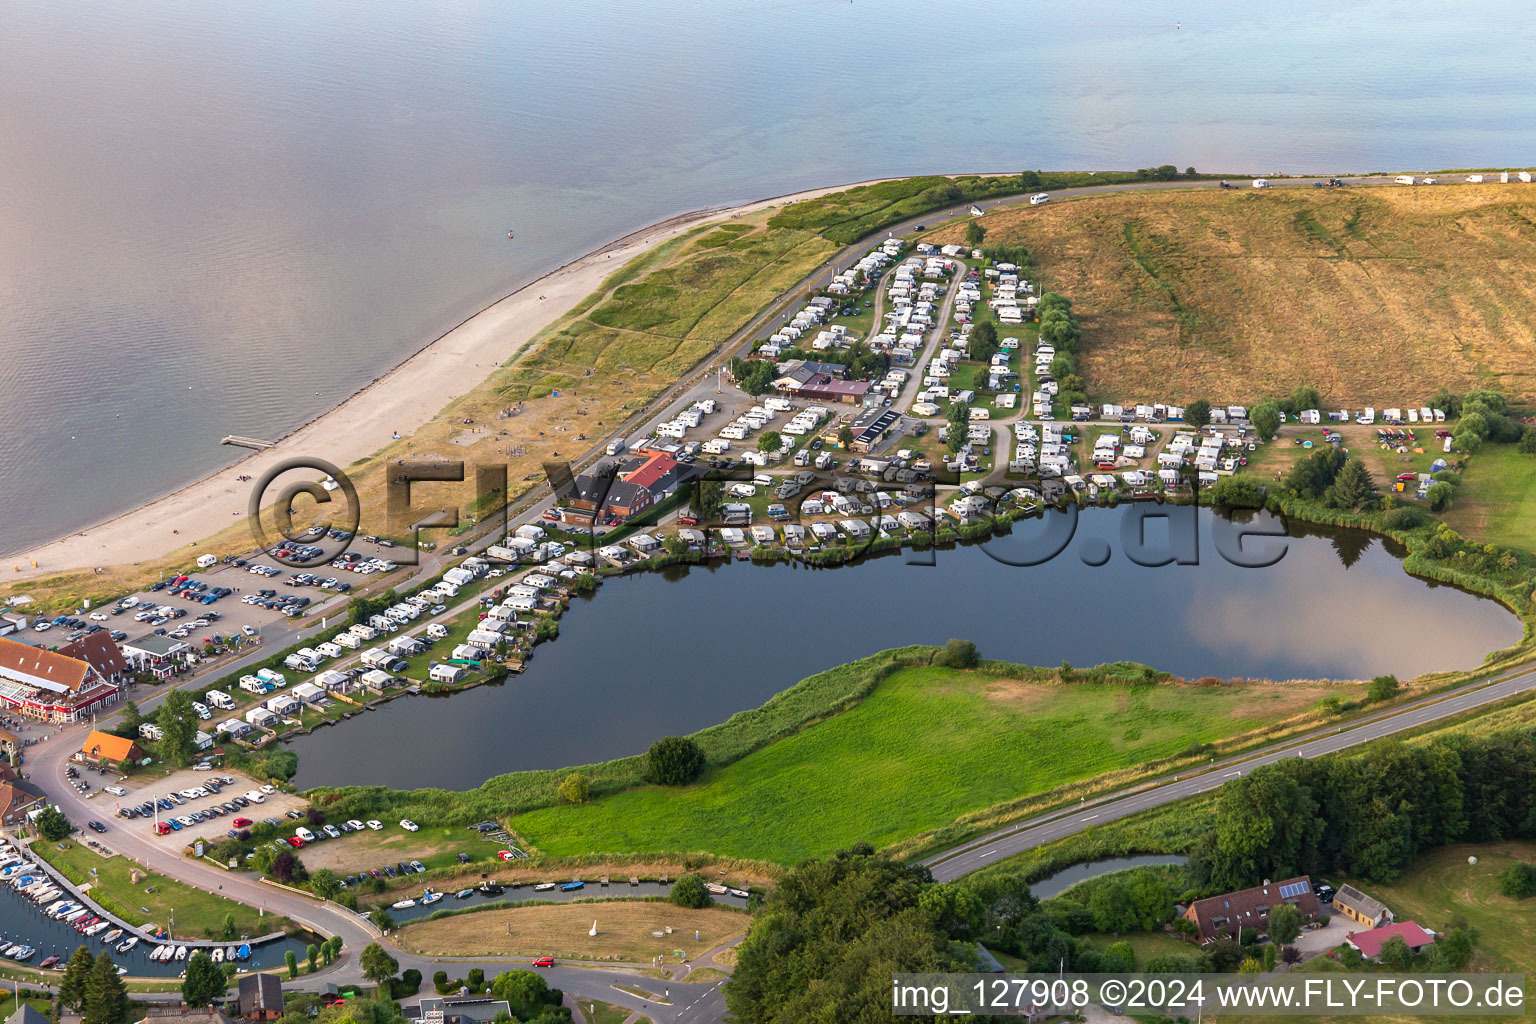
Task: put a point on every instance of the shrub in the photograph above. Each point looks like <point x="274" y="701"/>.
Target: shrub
<point x="688" y="891"/>
<point x="957" y="654"/>
<point x="1518" y="881"/>
<point x="576" y="788"/>
<point x="674" y="761"/>
<point x="1384" y="688"/>
<point x="408" y="984"/>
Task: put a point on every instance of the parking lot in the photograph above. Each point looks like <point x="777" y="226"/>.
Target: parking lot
<point x="218" y="819"/>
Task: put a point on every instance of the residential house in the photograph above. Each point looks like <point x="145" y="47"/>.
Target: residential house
<point x="260" y="997"/>
<point x="1231" y="912"/>
<point x="473" y="1010"/>
<point x="105" y="748"/>
<point x="170" y="1014"/>
<point x="18" y="797"/>
<point x="1369" y="943"/>
<point x="1358" y="907"/>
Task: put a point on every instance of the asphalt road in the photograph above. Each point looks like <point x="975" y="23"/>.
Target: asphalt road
<point x="1034" y="832"/>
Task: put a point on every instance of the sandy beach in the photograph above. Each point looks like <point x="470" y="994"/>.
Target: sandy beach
<point x="400" y="401"/>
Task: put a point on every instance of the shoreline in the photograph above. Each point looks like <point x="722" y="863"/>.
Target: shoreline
<point x="401" y="399"/>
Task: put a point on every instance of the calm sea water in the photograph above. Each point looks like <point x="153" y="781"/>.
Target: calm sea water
<point x="220" y="217"/>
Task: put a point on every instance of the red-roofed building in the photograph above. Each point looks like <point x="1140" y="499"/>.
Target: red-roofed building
<point x="50" y="685"/>
<point x="1229" y="913"/>
<point x="849" y="392"/>
<point x="1369" y="943"/>
<point x="102" y="653"/>
<point x="651" y="472"/>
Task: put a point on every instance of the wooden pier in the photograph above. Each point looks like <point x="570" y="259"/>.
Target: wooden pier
<point x="255" y="443"/>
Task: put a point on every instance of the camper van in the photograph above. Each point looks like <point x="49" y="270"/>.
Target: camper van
<point x="1404" y="179"/>
<point x="220" y="699"/>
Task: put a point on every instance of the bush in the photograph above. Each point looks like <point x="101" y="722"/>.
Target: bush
<point x="576" y="788"/>
<point x="688" y="891"/>
<point x="1518" y="881"/>
<point x="674" y="761"/>
<point x="957" y="654"/>
<point x="52" y="825"/>
<point x="408" y="984"/>
<point x="1384" y="688"/>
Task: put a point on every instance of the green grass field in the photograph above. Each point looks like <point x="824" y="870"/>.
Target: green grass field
<point x="153" y="898"/>
<point x="1496" y="502"/>
<point x="927" y="746"/>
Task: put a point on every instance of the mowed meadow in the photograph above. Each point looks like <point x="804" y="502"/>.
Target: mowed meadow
<point x="1374" y="295"/>
<point x="926" y="747"/>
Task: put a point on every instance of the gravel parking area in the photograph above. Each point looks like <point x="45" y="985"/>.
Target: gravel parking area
<point x="273" y="805"/>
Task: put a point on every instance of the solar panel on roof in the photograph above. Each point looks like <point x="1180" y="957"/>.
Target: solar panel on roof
<point x="1294" y="889"/>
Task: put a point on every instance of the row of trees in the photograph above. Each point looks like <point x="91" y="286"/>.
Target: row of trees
<point x="1370" y="814"/>
<point x="1330" y="476"/>
<point x="92" y="988"/>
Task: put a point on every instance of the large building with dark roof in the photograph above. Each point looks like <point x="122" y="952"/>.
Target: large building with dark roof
<point x="1229" y="913"/>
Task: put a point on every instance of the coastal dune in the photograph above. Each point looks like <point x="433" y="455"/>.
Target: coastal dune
<point x="400" y="401"/>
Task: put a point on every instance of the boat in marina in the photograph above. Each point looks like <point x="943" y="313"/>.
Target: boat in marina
<point x="20" y="953"/>
<point x="243" y="953"/>
<point x="463" y="894"/>
<point x="740" y="894"/>
<point x="403" y="904"/>
<point x="429" y="897"/>
<point x="573" y="886"/>
<point x="48" y="962"/>
<point x="489" y="888"/>
<point x="230" y="953"/>
<point x="181" y="952"/>
<point x="544" y="887"/>
<point x="715" y="887"/>
<point x="113" y="935"/>
<point x="218" y="954"/>
<point x="128" y="943"/>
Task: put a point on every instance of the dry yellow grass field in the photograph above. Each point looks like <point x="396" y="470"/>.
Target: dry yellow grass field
<point x="624" y="931"/>
<point x="1374" y="295"/>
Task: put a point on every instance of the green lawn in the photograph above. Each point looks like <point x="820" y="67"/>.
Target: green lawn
<point x="1441" y="887"/>
<point x="1496" y="502"/>
<point x="153" y="898"/>
<point x="927" y="746"/>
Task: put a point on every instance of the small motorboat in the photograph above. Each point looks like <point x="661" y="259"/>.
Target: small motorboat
<point x="491" y="889"/>
<point x="218" y="954"/>
<point x="121" y="970"/>
<point x="740" y="894"/>
<point x="715" y="887"/>
<point x="128" y="943"/>
<point x="403" y="904"/>
<point x="48" y="962"/>
<point x="429" y="897"/>
<point x="181" y="952"/>
<point x="544" y="887"/>
<point x="21" y="953"/>
<point x="573" y="886"/>
<point x="112" y="936"/>
<point x="230" y="954"/>
<point x="243" y="953"/>
<point x="463" y="894"/>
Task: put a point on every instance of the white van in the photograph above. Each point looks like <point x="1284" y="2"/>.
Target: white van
<point x="304" y="834"/>
<point x="1261" y="183"/>
<point x="201" y="710"/>
<point x="1404" y="179"/>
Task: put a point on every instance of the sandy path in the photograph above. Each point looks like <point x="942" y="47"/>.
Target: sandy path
<point x="402" y="400"/>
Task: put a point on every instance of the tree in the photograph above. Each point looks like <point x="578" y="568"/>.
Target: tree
<point x="227" y="930"/>
<point x="1237" y="492"/>
<point x="1451" y="951"/>
<point x="957" y="653"/>
<point x="293" y="964"/>
<point x="524" y="991"/>
<point x="1290" y="954"/>
<point x="975" y="234"/>
<point x="1197" y="413"/>
<point x="106" y="997"/>
<point x="689" y="891"/>
<point x="377" y="964"/>
<point x="1265" y="418"/>
<point x="332" y="948"/>
<point x="1124" y="958"/>
<point x="204" y="982"/>
<point x="770" y="441"/>
<point x="382" y="919"/>
<point x="982" y="344"/>
<point x="1311" y="477"/>
<point x="178" y="727"/>
<point x="52" y="825"/>
<point x="1353" y="489"/>
<point x="475" y="979"/>
<point x="132" y="719"/>
<point x="1518" y="881"/>
<point x="845" y="435"/>
<point x="1284" y="923"/>
<point x="674" y="761"/>
<point x="575" y="788"/>
<point x="72" y="985"/>
<point x="1266" y="827"/>
<point x="1396" y="954"/>
<point x="1383" y="688"/>
<point x="1251" y="966"/>
<point x="312" y="954"/>
<point x="325" y="883"/>
<point x="1304" y="397"/>
<point x="1440" y="494"/>
<point x="1528" y="442"/>
<point x="287" y="868"/>
<point x="1112" y="906"/>
<point x="1269" y="956"/>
